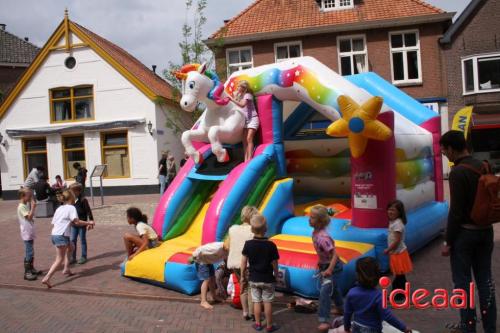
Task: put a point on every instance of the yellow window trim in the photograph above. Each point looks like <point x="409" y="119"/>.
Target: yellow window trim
<point x="67" y="25"/>
<point x="25" y="153"/>
<point x="71" y="98"/>
<point x="104" y="147"/>
<point x="65" y="150"/>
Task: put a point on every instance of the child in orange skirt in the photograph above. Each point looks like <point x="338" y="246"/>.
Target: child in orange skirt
<point x="399" y="259"/>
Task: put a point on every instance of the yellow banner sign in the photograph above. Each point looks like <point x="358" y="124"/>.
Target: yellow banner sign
<point x="462" y="119"/>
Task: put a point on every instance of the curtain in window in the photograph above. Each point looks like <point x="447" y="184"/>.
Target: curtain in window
<point x="359" y="62"/>
<point x="62" y="110"/>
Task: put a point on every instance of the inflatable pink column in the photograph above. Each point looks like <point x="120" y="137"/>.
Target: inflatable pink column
<point x="373" y="180"/>
<point x="433" y="125"/>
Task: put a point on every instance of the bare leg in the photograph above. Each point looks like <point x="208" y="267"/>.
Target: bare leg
<point x="204" y="291"/>
<point x="213" y="287"/>
<point x="245" y="142"/>
<point x="131" y="242"/>
<point x="268" y="310"/>
<point x="249" y="141"/>
<point x="244" y="304"/>
<point x="60" y="254"/>
<point x="67" y="259"/>
<point x="257" y="309"/>
<point x="249" y="302"/>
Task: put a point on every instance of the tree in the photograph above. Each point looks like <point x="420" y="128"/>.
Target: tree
<point x="192" y="50"/>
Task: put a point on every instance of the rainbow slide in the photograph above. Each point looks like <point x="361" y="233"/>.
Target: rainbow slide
<point x="198" y="208"/>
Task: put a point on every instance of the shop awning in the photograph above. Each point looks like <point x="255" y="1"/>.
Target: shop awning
<point x="485" y="120"/>
<point x="75" y="127"/>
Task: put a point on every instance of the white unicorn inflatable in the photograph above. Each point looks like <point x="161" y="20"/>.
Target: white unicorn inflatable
<point x="221" y="122"/>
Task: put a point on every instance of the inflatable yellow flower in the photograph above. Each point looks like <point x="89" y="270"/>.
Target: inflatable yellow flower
<point x="359" y="123"/>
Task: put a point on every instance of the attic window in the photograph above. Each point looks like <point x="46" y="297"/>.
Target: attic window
<point x="328" y="5"/>
<point x="70" y="62"/>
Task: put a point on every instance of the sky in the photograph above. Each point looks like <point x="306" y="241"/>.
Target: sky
<point x="150" y="30"/>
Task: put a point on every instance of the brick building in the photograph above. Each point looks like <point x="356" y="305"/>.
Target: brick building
<point x="471" y="53"/>
<point x="15" y="56"/>
<point x="396" y="39"/>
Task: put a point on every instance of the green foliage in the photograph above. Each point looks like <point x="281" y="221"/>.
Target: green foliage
<point x="192" y="50"/>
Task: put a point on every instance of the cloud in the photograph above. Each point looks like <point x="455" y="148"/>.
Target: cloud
<point x="150" y="30"/>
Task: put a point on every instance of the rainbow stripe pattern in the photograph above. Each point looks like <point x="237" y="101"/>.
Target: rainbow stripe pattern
<point x="299" y="75"/>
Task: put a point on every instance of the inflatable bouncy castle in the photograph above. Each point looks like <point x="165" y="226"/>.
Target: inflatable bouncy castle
<point x="351" y="143"/>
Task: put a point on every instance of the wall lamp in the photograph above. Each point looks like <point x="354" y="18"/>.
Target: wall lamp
<point x="2" y="142"/>
<point x="150" y="128"/>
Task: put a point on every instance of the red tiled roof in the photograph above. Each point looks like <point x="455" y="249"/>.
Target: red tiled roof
<point x="264" y="16"/>
<point x="144" y="74"/>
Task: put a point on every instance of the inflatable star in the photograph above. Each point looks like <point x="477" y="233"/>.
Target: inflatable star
<point x="359" y="123"/>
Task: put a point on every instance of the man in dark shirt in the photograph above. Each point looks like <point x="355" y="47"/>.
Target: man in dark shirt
<point x="81" y="175"/>
<point x="42" y="189"/>
<point x="469" y="246"/>
<point x="162" y="171"/>
<point x="184" y="160"/>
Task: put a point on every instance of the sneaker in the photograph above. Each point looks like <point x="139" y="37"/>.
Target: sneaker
<point x="29" y="276"/>
<point x="272" y="328"/>
<point x="82" y="261"/>
<point x="257" y="327"/>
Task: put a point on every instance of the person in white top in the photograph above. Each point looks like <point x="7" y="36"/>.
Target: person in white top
<point x="237" y="236"/>
<point x="64" y="217"/>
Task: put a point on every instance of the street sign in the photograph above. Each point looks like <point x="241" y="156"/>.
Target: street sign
<point x="98" y="172"/>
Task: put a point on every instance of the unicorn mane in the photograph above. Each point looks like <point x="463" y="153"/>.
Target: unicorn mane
<point x="218" y="88"/>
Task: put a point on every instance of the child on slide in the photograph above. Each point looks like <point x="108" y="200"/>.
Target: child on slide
<point x="244" y="99"/>
<point x="147" y="238"/>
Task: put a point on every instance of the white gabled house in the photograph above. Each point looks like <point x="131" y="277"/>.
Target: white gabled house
<point x="84" y="99"/>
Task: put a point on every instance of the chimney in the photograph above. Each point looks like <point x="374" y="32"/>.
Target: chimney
<point x="26" y="39"/>
<point x="225" y="21"/>
<point x="154" y="68"/>
<point x="2" y="26"/>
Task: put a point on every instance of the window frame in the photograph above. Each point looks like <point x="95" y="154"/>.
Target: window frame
<point x="475" y="73"/>
<point x="351" y="53"/>
<point x="337" y="6"/>
<point x="72" y="98"/>
<point x="65" y="150"/>
<point x="287" y="44"/>
<point x="25" y="153"/>
<point x="103" y="148"/>
<point x="240" y="64"/>
<point x="404" y="50"/>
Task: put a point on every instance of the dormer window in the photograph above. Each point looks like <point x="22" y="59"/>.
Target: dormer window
<point x="327" y="5"/>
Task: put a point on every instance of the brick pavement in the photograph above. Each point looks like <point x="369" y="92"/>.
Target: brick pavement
<point x="27" y="310"/>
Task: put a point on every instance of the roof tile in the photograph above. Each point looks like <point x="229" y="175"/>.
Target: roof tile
<point x="15" y="50"/>
<point x="264" y="16"/>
